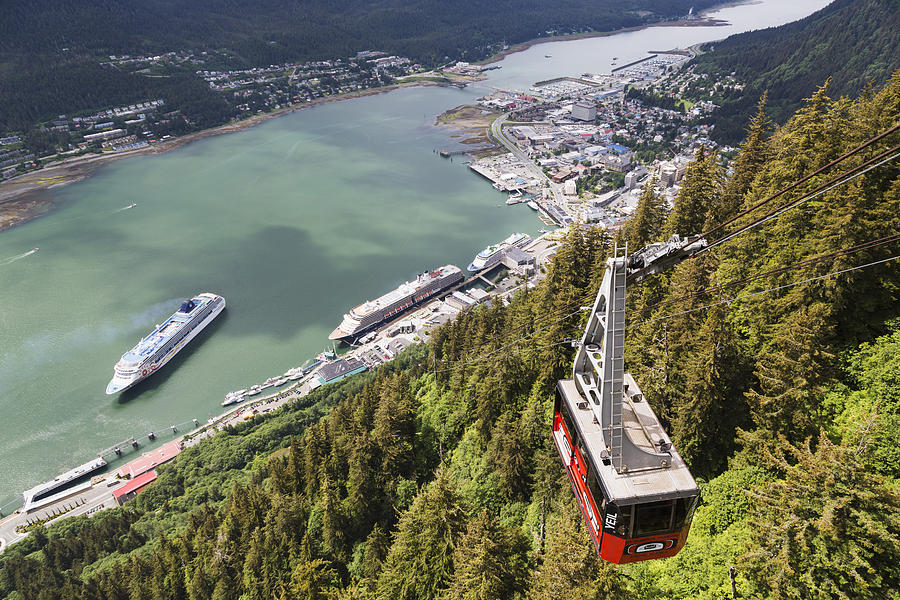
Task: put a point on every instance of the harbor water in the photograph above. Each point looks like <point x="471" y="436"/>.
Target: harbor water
<point x="292" y="221"/>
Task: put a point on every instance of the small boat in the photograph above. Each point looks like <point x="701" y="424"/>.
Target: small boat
<point x="232" y="398"/>
<point x="281" y="381"/>
<point x="132" y="205"/>
<point x="326" y="355"/>
<point x="35" y="249"/>
<point x="532" y="205"/>
<point x="547" y="56"/>
<point x="254" y="390"/>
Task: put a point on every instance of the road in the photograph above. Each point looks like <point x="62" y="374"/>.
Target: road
<point x="98" y="497"/>
<point x="498" y="134"/>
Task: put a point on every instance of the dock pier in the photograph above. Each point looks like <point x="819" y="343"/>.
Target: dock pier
<point x="135" y="442"/>
<point x="449" y="153"/>
<point x="634" y="62"/>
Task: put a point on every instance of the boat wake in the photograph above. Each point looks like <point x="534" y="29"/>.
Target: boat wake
<point x="12" y="259"/>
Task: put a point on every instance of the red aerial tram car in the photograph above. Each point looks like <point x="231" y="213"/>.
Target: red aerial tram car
<point x="635" y="492"/>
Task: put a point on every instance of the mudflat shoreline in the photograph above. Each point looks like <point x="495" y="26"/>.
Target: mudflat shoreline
<point x="19" y="201"/>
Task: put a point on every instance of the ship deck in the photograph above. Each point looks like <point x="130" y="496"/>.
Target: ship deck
<point x="408" y="288"/>
<point x="150" y="344"/>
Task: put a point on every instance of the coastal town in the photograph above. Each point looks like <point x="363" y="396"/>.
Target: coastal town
<point x="141" y="125"/>
<point x="577" y="150"/>
<point x="581" y="148"/>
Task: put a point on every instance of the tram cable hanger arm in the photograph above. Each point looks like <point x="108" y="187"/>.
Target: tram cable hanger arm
<point x="658" y="257"/>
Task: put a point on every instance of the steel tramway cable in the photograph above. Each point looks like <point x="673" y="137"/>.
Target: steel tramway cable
<point x="802" y="180"/>
<point x="836" y="182"/>
<point x="711" y="289"/>
<point x="806" y="262"/>
<point x="773" y="289"/>
<point x="567" y="340"/>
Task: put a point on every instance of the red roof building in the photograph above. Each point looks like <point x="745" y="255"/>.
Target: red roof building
<point x="133" y="487"/>
<point x="151" y="460"/>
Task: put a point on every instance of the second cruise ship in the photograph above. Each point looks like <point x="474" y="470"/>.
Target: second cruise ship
<point x="369" y="314"/>
<point x="491" y="255"/>
<point x="165" y="341"/>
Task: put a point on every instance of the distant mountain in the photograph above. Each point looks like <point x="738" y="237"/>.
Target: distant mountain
<point x="264" y="31"/>
<point x="50" y="49"/>
<point x="854" y="42"/>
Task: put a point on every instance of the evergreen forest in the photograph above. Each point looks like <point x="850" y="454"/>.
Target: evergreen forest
<point x="775" y="370"/>
<point x="854" y="42"/>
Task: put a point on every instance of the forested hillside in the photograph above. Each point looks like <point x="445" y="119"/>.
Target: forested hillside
<point x="50" y="50"/>
<point x="436" y="477"/>
<point x="854" y="42"/>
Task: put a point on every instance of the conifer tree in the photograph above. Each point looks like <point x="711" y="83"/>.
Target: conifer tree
<point x="394" y="431"/>
<point x="313" y="580"/>
<point x="712" y="405"/>
<point x="828" y="529"/>
<point x="570" y="567"/>
<point x="649" y="218"/>
<point x="508" y="455"/>
<point x="363" y="494"/>
<point x="333" y="523"/>
<point x="420" y="561"/>
<point x="751" y="158"/>
<point x="700" y="192"/>
<point x="791" y="375"/>
<point x="490" y="562"/>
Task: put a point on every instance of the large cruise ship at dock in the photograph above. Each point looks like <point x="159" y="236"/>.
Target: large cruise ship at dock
<point x="369" y="314"/>
<point x="165" y="341"/>
<point x="491" y="255"/>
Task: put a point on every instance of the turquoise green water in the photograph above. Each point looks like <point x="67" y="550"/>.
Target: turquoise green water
<point x="293" y="221"/>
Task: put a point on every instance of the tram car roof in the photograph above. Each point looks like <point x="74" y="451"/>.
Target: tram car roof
<point x="643" y="428"/>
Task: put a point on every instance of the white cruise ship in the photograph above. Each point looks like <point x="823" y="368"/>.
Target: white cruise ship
<point x="491" y="255"/>
<point x="165" y="341"/>
<point x="369" y="314"/>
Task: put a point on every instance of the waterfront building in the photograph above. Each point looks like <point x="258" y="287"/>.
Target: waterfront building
<point x="518" y="261"/>
<point x="133" y="487"/>
<point x="339" y="369"/>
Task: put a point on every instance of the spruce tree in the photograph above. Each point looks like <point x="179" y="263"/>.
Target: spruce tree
<point x="420" y="561"/>
<point x="827" y="529"/>
<point x="570" y="567"/>
<point x="490" y="561"/>
<point x="700" y="192"/>
<point x="649" y="218"/>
